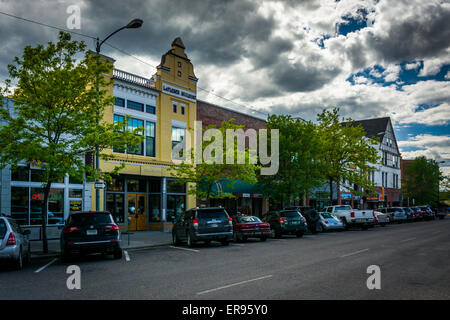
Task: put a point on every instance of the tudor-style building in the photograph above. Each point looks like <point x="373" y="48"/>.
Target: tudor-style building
<point x="387" y="176"/>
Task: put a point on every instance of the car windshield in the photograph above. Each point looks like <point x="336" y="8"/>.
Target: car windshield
<point x="211" y="214"/>
<point x="290" y="214"/>
<point x="2" y="228"/>
<point x="398" y="210"/>
<point x="81" y="219"/>
<point x="339" y="208"/>
<point x="248" y="219"/>
<point x="327" y="215"/>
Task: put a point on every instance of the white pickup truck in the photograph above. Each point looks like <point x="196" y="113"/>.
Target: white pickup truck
<point x="351" y="217"/>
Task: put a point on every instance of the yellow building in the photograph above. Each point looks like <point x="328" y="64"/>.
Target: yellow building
<point x="143" y="196"/>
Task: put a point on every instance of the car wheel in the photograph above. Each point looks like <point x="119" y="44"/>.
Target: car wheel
<point x="363" y="227"/>
<point x="225" y="242"/>
<point x="118" y="253"/>
<point x="175" y="239"/>
<point x="244" y="238"/>
<point x="263" y="239"/>
<point x="236" y="237"/>
<point x="344" y="222"/>
<point x="207" y="242"/>
<point x="190" y="242"/>
<point x="441" y="217"/>
<point x="299" y="234"/>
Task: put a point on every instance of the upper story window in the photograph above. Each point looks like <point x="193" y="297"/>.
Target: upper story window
<point x="150" y="139"/>
<point x="120" y="102"/>
<point x="150" y="109"/>
<point x="178" y="137"/>
<point x="174" y="107"/>
<point x="135" y="105"/>
<point x="179" y="73"/>
<point x="182" y="108"/>
<point x="179" y="64"/>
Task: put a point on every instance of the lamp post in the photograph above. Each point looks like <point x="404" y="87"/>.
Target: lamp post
<point x="133" y="24"/>
<point x="438" y="194"/>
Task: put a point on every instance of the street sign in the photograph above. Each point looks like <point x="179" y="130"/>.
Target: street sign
<point x="99" y="185"/>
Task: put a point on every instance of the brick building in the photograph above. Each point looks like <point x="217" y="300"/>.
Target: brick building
<point x="249" y="198"/>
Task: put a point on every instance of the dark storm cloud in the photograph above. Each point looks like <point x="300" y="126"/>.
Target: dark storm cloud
<point x="425" y="33"/>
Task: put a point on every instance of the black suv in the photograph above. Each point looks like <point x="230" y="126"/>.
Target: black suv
<point x="90" y="232"/>
<point x="311" y="215"/>
<point x="286" y="222"/>
<point x="203" y="224"/>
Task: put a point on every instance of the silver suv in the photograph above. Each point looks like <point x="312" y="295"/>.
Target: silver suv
<point x="14" y="244"/>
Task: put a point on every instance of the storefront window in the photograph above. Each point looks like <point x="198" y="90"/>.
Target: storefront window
<point x="174" y="187"/>
<point x="116" y="184"/>
<point x="75" y="193"/>
<point x="155" y="186"/>
<point x="20" y="174"/>
<point x="175" y="206"/>
<point x="19" y="204"/>
<point x="37" y="175"/>
<point x="136" y="185"/>
<point x="155" y="208"/>
<point x="115" y="206"/>
<point x="55" y="206"/>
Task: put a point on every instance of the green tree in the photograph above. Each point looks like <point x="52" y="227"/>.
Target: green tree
<point x="423" y="177"/>
<point x="58" y="114"/>
<point x="202" y="177"/>
<point x="299" y="159"/>
<point x="346" y="154"/>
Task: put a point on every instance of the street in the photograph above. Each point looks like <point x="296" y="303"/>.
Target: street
<point x="413" y="259"/>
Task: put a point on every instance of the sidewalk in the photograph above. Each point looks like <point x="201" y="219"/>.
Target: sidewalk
<point x="138" y="240"/>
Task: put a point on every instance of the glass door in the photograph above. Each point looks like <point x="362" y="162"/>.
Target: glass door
<point x="137" y="211"/>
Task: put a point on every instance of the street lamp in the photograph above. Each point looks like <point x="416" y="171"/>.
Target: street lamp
<point x="439" y="191"/>
<point x="133" y="24"/>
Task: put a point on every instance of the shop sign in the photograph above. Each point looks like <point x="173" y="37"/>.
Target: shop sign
<point x="246" y="195"/>
<point x="99" y="185"/>
<point x="177" y="92"/>
<point x="346" y="196"/>
<point x="75" y="206"/>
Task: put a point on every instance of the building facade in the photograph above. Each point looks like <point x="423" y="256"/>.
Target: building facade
<point x="387" y="175"/>
<point x="248" y="198"/>
<point x="144" y="196"/>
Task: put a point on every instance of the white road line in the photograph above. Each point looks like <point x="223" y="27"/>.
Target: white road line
<point x="408" y="239"/>
<point x="180" y="248"/>
<point x="42" y="268"/>
<point x="127" y="256"/>
<point x="353" y="253"/>
<point x="234" y="284"/>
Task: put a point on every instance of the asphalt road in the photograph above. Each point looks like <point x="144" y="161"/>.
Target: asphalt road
<point x="414" y="260"/>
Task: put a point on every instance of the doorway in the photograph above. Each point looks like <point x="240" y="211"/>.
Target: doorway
<point x="137" y="211"/>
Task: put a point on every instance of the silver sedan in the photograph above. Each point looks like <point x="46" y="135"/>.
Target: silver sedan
<point x="329" y="221"/>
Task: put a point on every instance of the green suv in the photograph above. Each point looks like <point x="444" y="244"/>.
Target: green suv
<point x="286" y="222"/>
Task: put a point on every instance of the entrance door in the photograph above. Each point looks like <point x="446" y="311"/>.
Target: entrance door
<point x="137" y="211"/>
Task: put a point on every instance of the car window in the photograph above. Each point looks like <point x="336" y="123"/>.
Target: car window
<point x="340" y="208"/>
<point x="211" y="214"/>
<point x="81" y="219"/>
<point x="327" y="215"/>
<point x="2" y="228"/>
<point x="290" y="214"/>
<point x="398" y="210"/>
<point x="248" y="219"/>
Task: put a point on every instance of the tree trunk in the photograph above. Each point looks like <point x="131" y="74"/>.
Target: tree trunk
<point x="338" y="191"/>
<point x="307" y="197"/>
<point x="44" y="218"/>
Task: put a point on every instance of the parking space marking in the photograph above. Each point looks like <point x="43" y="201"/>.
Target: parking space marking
<point x="233" y="284"/>
<point x="353" y="253"/>
<point x="408" y="239"/>
<point x="42" y="268"/>
<point x="127" y="256"/>
<point x="187" y="249"/>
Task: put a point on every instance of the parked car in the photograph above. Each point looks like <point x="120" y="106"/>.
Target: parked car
<point x="330" y="222"/>
<point x="90" y="232"/>
<point x="441" y="212"/>
<point x="417" y="212"/>
<point x="428" y="214"/>
<point x="203" y="224"/>
<point x="311" y="215"/>
<point x="351" y="217"/>
<point x="245" y="227"/>
<point x="396" y="214"/>
<point x="409" y="214"/>
<point x="14" y="244"/>
<point x="286" y="222"/>
<point x="381" y="219"/>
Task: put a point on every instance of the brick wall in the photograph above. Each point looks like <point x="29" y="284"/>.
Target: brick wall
<point x="211" y="114"/>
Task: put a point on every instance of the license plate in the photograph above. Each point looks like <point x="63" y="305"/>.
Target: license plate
<point x="214" y="225"/>
<point x="91" y="232"/>
<point x="294" y="222"/>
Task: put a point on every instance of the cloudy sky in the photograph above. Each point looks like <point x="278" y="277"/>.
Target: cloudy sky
<point x="370" y="58"/>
